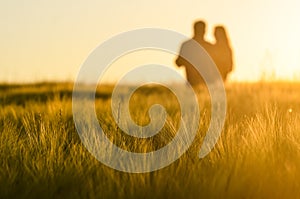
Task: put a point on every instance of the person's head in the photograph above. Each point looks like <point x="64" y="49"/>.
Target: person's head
<point x="220" y="33"/>
<point x="199" y="29"/>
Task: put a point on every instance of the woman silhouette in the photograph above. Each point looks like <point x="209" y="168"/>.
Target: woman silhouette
<point x="222" y="53"/>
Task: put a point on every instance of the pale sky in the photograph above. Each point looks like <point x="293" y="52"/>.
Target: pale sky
<point x="49" y="40"/>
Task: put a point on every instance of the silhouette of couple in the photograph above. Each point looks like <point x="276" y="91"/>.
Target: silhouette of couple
<point x="220" y="52"/>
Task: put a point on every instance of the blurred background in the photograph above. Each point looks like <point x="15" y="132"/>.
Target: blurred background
<point x="49" y="40"/>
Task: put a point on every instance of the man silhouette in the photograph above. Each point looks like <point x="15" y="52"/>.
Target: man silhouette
<point x="187" y="48"/>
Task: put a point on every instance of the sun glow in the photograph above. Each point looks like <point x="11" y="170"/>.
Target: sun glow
<point x="49" y="41"/>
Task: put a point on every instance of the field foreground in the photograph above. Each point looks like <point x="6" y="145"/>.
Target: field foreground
<point x="257" y="155"/>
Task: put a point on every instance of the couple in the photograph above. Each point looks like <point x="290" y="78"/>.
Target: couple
<point x="220" y="52"/>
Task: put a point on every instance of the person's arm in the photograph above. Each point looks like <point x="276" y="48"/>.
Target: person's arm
<point x="230" y="57"/>
<point x="179" y="61"/>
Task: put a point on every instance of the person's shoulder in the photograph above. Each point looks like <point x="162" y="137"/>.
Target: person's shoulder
<point x="188" y="43"/>
<point x="207" y="45"/>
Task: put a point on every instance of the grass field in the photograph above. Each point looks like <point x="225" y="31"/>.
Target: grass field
<point x="257" y="155"/>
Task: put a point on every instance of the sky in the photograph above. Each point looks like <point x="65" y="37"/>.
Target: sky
<point x="49" y="40"/>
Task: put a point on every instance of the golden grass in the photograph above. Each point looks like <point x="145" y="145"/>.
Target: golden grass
<point x="257" y="155"/>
